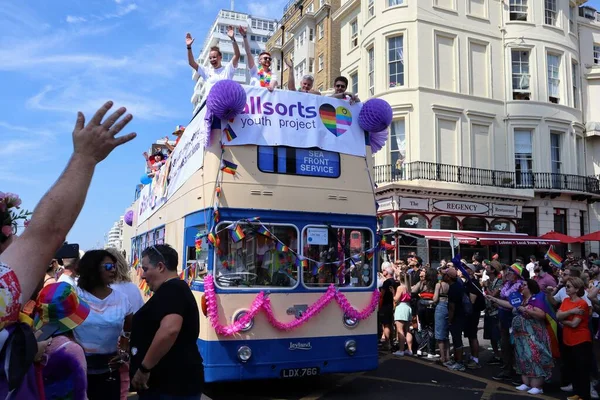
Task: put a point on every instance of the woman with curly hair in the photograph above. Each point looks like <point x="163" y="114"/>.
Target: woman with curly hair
<point x="105" y="332"/>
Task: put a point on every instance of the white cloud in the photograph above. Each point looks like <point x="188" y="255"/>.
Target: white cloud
<point x="75" y="20"/>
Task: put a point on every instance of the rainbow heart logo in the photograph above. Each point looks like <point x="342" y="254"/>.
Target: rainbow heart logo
<point x="336" y="120"/>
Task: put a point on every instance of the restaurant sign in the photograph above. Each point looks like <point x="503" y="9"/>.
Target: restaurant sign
<point x="461" y="207"/>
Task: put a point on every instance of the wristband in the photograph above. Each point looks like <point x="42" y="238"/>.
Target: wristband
<point x="144" y="369"/>
<point x="189" y="47"/>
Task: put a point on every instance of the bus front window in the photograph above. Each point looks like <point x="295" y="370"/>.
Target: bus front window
<point x="337" y="255"/>
<point x="262" y="258"/>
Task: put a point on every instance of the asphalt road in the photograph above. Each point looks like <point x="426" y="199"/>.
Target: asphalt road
<point x="407" y="378"/>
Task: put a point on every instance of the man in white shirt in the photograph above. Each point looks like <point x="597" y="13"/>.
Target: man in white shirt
<point x="69" y="273"/>
<point x="531" y="266"/>
<point x="260" y="75"/>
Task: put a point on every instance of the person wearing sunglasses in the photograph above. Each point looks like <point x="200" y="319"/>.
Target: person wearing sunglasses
<point x="104" y="334"/>
<point x="340" y="85"/>
<point x="261" y="75"/>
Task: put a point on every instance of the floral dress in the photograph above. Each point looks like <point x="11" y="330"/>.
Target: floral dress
<point x="532" y="344"/>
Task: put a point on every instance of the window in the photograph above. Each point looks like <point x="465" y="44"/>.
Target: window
<point x="294" y="161"/>
<point x="321" y="62"/>
<point x="396" y="61"/>
<point x="337" y="255"/>
<point x="354" y="34"/>
<point x="575" y="78"/>
<point x="550" y="12"/>
<point x="354" y="78"/>
<point x="311" y="34"/>
<point x="321" y="30"/>
<point x="392" y="3"/>
<point x="261" y="258"/>
<point x="310" y="8"/>
<point x="560" y="220"/>
<point x="520" y="75"/>
<point x="555" y="152"/>
<point x="580" y="156"/>
<point x="311" y="62"/>
<point x="553" y="78"/>
<point x="398" y="148"/>
<point x="371" y="69"/>
<point x="371" y="8"/>
<point x="596" y="54"/>
<point x="518" y="10"/>
<point x="571" y="19"/>
<point x="523" y="157"/>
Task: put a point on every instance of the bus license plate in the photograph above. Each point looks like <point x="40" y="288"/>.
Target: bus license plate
<point x="299" y="372"/>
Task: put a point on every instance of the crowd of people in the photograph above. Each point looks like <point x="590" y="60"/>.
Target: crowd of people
<point x="76" y="327"/>
<point x="535" y="315"/>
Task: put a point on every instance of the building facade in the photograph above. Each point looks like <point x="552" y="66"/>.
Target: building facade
<point x="114" y="237"/>
<point x="259" y="30"/>
<point x="308" y="35"/>
<point x="493" y="107"/>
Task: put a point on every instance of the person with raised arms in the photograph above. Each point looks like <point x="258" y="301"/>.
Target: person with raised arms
<point x="216" y="72"/>
<point x="261" y="75"/>
<point x="339" y="86"/>
<point x="306" y="84"/>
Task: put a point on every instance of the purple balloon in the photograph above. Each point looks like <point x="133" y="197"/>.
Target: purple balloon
<point x="128" y="218"/>
<point x="376" y="115"/>
<point x="226" y="99"/>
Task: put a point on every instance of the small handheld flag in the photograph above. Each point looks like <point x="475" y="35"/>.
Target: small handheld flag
<point x="553" y="257"/>
<point x="228" y="167"/>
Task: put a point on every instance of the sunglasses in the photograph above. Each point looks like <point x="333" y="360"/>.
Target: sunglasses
<point x="109" y="266"/>
<point x="340" y="86"/>
<point x="267" y="58"/>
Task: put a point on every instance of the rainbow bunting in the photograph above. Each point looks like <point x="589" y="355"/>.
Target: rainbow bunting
<point x="212" y="238"/>
<point x="341" y="269"/>
<point x="229" y="133"/>
<point x="237" y="233"/>
<point x="253" y="219"/>
<point x="554" y="258"/>
<point x="370" y="255"/>
<point x="218" y="191"/>
<point x="302" y="262"/>
<point x="216" y="216"/>
<point x="263" y="231"/>
<point x="136" y="261"/>
<point x="182" y="275"/>
<point x="228" y="167"/>
<point x="320" y="268"/>
<point x="282" y="247"/>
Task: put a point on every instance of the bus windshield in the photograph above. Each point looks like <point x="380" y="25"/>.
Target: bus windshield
<point x="263" y="257"/>
<point x="337" y="255"/>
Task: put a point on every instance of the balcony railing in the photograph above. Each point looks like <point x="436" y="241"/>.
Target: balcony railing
<point x="486" y="177"/>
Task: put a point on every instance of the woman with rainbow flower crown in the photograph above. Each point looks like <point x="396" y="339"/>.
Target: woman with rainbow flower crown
<point x="261" y="75"/>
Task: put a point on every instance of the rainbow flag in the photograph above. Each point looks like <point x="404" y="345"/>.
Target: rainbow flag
<point x="302" y="262"/>
<point x="282" y="247"/>
<point x="229" y="133"/>
<point x="321" y="268"/>
<point x="136" y="261"/>
<point x="228" y="167"/>
<point x="263" y="231"/>
<point x="212" y="238"/>
<point x="237" y="233"/>
<point x="554" y="258"/>
<point x="216" y="216"/>
<point x="182" y="275"/>
<point x="370" y="255"/>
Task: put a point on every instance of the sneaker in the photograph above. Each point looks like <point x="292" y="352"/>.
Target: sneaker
<point x="457" y="367"/>
<point x="495" y="361"/>
<point x="535" y="391"/>
<point x="593" y="392"/>
<point x="398" y="353"/>
<point x="408" y="353"/>
<point x="523" y="387"/>
<point x="568" y="388"/>
<point x="473" y="365"/>
<point x="448" y="363"/>
<point x="432" y="356"/>
<point x="419" y="353"/>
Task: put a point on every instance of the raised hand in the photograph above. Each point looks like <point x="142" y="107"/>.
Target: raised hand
<point x="189" y="39"/>
<point x="231" y="32"/>
<point x="289" y="62"/>
<point x="242" y="30"/>
<point x="97" y="140"/>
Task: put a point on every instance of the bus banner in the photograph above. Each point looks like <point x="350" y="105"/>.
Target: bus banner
<point x="187" y="158"/>
<point x="284" y="118"/>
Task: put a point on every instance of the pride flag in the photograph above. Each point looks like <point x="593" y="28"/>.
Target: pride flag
<point x="553" y="257"/>
<point x="212" y="238"/>
<point x="229" y="133"/>
<point x="264" y="231"/>
<point x="237" y="233"/>
<point x="370" y="254"/>
<point x="228" y="167"/>
<point x="282" y="247"/>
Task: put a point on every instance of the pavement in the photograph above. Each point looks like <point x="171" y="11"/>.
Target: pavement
<point x="408" y="378"/>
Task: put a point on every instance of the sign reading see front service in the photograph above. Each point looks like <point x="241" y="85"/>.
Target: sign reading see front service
<point x="460" y="207"/>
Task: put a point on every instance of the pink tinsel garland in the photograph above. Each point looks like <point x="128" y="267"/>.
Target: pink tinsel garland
<point x="262" y="301"/>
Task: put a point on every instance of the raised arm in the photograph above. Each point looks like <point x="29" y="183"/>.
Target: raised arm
<point x="188" y="41"/>
<point x="500" y="302"/>
<point x="291" y="78"/>
<point x="249" y="57"/>
<point x="57" y="211"/>
<point x="236" y="48"/>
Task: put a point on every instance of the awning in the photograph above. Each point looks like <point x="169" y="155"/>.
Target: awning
<point x="561" y="237"/>
<point x="474" y="237"/>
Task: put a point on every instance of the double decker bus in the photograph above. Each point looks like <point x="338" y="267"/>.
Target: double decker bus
<point x="258" y="223"/>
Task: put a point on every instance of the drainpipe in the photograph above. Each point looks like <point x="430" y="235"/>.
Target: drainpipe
<point x="504" y="74"/>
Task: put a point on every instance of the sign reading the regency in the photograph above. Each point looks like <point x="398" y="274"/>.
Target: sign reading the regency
<point x="460" y="207"/>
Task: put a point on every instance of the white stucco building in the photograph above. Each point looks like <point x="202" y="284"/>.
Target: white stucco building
<point x="496" y="110"/>
<point x="114" y="237"/>
<point x="259" y="29"/>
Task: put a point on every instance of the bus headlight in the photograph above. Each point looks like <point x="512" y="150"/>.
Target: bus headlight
<point x="350" y="322"/>
<point x="239" y="316"/>
<point x="350" y="347"/>
<point x="244" y="353"/>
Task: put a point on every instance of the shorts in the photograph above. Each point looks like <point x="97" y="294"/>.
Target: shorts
<point x="386" y="314"/>
<point x="441" y="321"/>
<point x="491" y="327"/>
<point x="403" y="313"/>
<point x="456" y="330"/>
<point x="472" y="325"/>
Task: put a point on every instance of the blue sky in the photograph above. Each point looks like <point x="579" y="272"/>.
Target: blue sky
<point x="57" y="57"/>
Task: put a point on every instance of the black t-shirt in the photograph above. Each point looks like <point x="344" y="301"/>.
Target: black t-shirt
<point x="180" y="371"/>
<point x="388" y="289"/>
<point x="455" y="296"/>
<point x="414" y="275"/>
<point x="479" y="304"/>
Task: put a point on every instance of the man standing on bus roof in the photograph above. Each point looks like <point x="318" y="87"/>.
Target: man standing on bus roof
<point x="306" y="84"/>
<point x="165" y="361"/>
<point x="262" y="75"/>
<point x="339" y="86"/>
